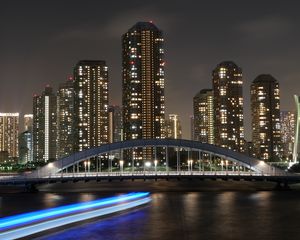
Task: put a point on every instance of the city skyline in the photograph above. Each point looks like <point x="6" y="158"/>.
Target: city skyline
<point x="185" y="63"/>
<point x="149" y="119"/>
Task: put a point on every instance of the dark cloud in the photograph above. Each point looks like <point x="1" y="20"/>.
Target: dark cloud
<point x="266" y="28"/>
<point x="41" y="41"/>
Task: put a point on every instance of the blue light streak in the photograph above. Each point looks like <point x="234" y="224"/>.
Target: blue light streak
<point x="27" y="218"/>
<point x="38" y="227"/>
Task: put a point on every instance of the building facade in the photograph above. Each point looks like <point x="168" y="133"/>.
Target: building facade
<point x="203" y="106"/>
<point x="192" y="127"/>
<point x="65" y="113"/>
<point x="90" y="104"/>
<point x="228" y="104"/>
<point x="287" y="121"/>
<point x="173" y="127"/>
<point x="9" y="133"/>
<point x="115" y="124"/>
<point x="265" y="107"/>
<point x="143" y="85"/>
<point x="44" y="130"/>
<point x="25" y="147"/>
<point x="28" y="122"/>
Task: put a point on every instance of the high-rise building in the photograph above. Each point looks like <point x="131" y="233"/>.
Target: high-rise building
<point x="9" y="133"/>
<point x="192" y="127"/>
<point x="25" y="147"/>
<point x="26" y="141"/>
<point x="44" y="126"/>
<point x="143" y="85"/>
<point x="90" y="104"/>
<point x="249" y="149"/>
<point x="265" y="106"/>
<point x="228" y="106"/>
<point x="287" y="121"/>
<point x="65" y="113"/>
<point x="173" y="127"/>
<point x="115" y="124"/>
<point x="28" y="121"/>
<point x="204" y="116"/>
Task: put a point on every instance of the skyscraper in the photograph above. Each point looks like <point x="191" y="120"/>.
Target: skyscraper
<point x="192" y="127"/>
<point x="228" y="105"/>
<point x="26" y="140"/>
<point x="90" y="104"/>
<point x="265" y="106"/>
<point x="28" y="121"/>
<point x="65" y="113"/>
<point x="44" y="126"/>
<point x="25" y="147"/>
<point x="143" y="84"/>
<point x="9" y="133"/>
<point x="115" y="124"/>
<point x="204" y="116"/>
<point x="173" y="127"/>
<point x="287" y="121"/>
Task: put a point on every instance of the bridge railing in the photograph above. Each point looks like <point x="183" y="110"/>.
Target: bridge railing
<point x="153" y="173"/>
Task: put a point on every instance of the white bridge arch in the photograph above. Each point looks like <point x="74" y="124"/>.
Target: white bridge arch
<point x="253" y="164"/>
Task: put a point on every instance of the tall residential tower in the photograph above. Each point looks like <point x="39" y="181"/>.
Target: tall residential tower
<point x="173" y="127"/>
<point x="228" y="105"/>
<point x="265" y="106"/>
<point x="287" y="121"/>
<point x="65" y="114"/>
<point x="115" y="124"/>
<point x="90" y="104"/>
<point x="143" y="84"/>
<point x="44" y="126"/>
<point x="9" y="133"/>
<point x="204" y="116"/>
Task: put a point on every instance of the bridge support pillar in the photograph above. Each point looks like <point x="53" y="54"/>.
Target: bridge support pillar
<point x="282" y="186"/>
<point x="178" y="159"/>
<point x="30" y="188"/>
<point x="167" y="160"/>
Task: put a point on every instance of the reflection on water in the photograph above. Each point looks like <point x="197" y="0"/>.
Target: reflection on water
<point x="179" y="215"/>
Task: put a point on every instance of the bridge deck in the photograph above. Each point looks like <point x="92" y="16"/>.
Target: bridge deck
<point x="120" y="176"/>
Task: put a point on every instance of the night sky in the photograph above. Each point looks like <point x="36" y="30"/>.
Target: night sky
<point x="41" y="41"/>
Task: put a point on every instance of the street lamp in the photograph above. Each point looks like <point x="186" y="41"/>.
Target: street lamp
<point x="222" y="164"/>
<point x="85" y="163"/>
<point x="147" y="165"/>
<point x="155" y="166"/>
<point x="89" y="164"/>
<point x="190" y="165"/>
<point x="50" y="165"/>
<point x="121" y="166"/>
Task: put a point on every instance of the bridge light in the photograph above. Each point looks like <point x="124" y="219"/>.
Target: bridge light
<point x="155" y="165"/>
<point x="262" y="162"/>
<point x="121" y="165"/>
<point x="147" y="164"/>
<point x="190" y="164"/>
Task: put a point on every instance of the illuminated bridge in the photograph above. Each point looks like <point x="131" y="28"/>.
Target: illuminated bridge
<point x="172" y="159"/>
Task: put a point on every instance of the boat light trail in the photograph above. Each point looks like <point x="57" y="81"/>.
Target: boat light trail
<point x="38" y="227"/>
<point x="26" y="218"/>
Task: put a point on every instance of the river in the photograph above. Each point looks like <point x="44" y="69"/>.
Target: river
<point x="175" y="215"/>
